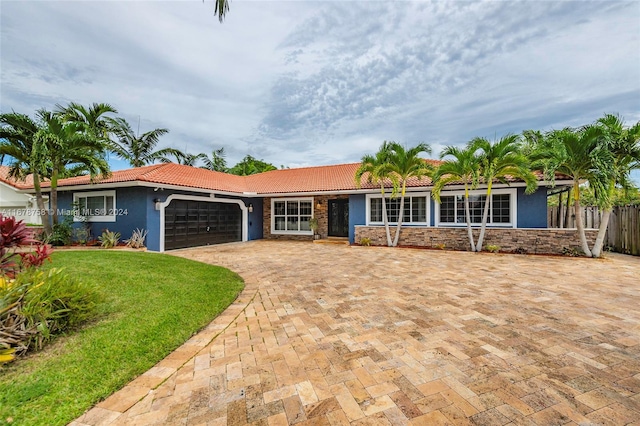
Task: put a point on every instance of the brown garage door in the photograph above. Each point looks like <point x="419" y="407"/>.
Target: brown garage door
<point x="199" y="223"/>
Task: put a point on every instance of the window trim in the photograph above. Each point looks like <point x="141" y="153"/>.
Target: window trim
<point x="273" y="216"/>
<point x="427" y="195"/>
<point x="105" y="218"/>
<point x="513" y="208"/>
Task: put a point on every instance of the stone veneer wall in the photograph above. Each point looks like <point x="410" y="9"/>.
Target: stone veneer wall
<point x="548" y="241"/>
<point x="319" y="211"/>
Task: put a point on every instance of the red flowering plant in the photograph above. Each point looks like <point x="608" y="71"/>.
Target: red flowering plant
<point x="13" y="234"/>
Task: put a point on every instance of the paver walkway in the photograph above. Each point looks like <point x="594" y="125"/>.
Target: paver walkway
<point x="362" y="335"/>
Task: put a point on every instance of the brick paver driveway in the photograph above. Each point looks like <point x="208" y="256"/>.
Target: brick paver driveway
<point x="335" y="335"/>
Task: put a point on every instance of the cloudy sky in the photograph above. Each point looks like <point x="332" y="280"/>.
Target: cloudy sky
<point x="310" y="83"/>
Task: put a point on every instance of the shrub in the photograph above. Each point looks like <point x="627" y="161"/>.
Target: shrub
<point x="137" y="238"/>
<point x="520" y="250"/>
<point x="493" y="248"/>
<point x="109" y="239"/>
<point x="61" y="233"/>
<point x="365" y="241"/>
<point x="441" y="246"/>
<point x="55" y="303"/>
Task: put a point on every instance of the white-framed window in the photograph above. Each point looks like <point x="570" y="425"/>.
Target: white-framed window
<point x="291" y="216"/>
<point x="502" y="208"/>
<point x="97" y="206"/>
<point x="416" y="209"/>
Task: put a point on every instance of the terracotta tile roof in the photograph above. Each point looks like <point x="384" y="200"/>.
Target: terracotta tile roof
<point x="27" y="183"/>
<point x="168" y="174"/>
<point x="340" y="177"/>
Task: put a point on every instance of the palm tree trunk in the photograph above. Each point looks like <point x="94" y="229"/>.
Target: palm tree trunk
<point x="400" y="216"/>
<point x="602" y="231"/>
<point x="385" y="219"/>
<point x="485" y="214"/>
<point x="44" y="212"/>
<point x="53" y="197"/>
<point x="468" y="214"/>
<point x="580" y="225"/>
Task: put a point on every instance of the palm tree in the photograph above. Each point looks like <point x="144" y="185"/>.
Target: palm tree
<point x="185" y="159"/>
<point x="139" y="150"/>
<point x="377" y="172"/>
<point x="221" y="9"/>
<point x="69" y="150"/>
<point x="93" y="117"/>
<point x="217" y="162"/>
<point x="624" y="144"/>
<point x="406" y="164"/>
<point x="578" y="154"/>
<point x="464" y="167"/>
<point x="498" y="161"/>
<point x="17" y="133"/>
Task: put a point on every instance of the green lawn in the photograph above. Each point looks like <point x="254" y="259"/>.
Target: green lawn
<point x="153" y="304"/>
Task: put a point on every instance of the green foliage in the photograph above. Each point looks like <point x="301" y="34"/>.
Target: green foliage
<point x="493" y="248"/>
<point x="141" y="320"/>
<point x="364" y="241"/>
<point x="217" y="162"/>
<point x="62" y="232"/>
<point x="109" y="239"/>
<point x="53" y="303"/>
<point x="138" y="150"/>
<point x="250" y="166"/>
<point x="619" y="197"/>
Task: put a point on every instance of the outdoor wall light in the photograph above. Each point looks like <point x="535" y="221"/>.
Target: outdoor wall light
<point x="319" y="204"/>
<point x="157" y="202"/>
<point x="250" y="208"/>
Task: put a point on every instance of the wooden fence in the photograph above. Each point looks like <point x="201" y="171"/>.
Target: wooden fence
<point x="623" y="232"/>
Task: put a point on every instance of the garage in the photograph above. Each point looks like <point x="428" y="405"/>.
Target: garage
<point x="190" y="223"/>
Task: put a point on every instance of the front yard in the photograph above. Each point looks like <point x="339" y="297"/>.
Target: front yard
<point x="153" y="304"/>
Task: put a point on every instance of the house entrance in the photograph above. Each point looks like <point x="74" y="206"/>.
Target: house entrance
<point x="339" y="218"/>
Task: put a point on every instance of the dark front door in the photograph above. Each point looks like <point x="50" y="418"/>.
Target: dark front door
<point x="339" y="218"/>
<point x="199" y="223"/>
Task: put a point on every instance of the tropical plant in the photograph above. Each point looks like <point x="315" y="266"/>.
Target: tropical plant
<point x="250" y="166"/>
<point x="624" y="143"/>
<point x="580" y="155"/>
<point x="109" y="239"/>
<point x="139" y="150"/>
<point x="137" y="238"/>
<point x="185" y="159"/>
<point x="498" y="162"/>
<point x="406" y="164"/>
<point x="69" y="148"/>
<point x="221" y="9"/>
<point x="17" y="134"/>
<point x="493" y="248"/>
<point x="61" y="233"/>
<point x="464" y="168"/>
<point x="375" y="169"/>
<point x="94" y="118"/>
<point x="217" y="162"/>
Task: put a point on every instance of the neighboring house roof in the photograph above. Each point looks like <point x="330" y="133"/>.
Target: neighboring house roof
<point x="27" y="183"/>
<point x="340" y="177"/>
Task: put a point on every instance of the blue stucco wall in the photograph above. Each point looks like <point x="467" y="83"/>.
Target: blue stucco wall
<point x="131" y="201"/>
<point x="532" y="208"/>
<point x="357" y="214"/>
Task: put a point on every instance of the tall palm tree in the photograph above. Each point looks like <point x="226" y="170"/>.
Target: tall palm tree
<point x="377" y="171"/>
<point x="406" y="164"/>
<point x="624" y="143"/>
<point x="580" y="155"/>
<point x="93" y="117"/>
<point x="498" y="161"/>
<point x="17" y="134"/>
<point x="217" y="162"/>
<point x="69" y="150"/>
<point x="465" y="167"/>
<point x="139" y="150"/>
